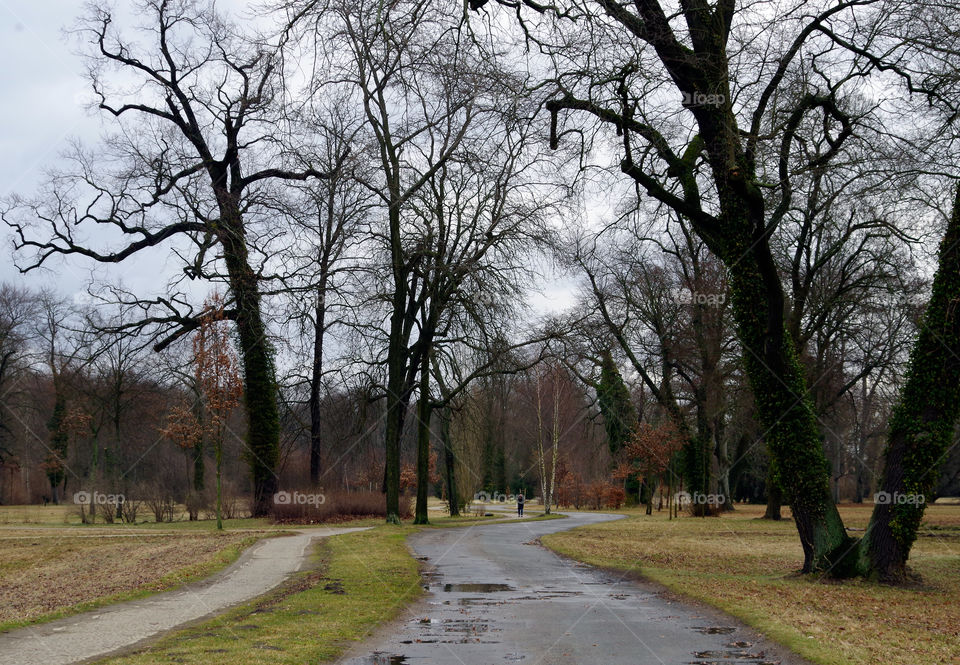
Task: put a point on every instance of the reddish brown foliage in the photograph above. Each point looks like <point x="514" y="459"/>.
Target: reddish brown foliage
<point x="615" y="496"/>
<point x="336" y="507"/>
<point x="650" y="450"/>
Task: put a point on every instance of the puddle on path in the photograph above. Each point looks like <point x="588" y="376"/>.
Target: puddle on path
<point x="734" y="653"/>
<point x="714" y="630"/>
<point x="379" y="658"/>
<point x="476" y="588"/>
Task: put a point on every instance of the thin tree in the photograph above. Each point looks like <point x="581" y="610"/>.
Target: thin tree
<point x="218" y="376"/>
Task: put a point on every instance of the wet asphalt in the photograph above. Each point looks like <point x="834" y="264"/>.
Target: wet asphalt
<point x="496" y="596"/>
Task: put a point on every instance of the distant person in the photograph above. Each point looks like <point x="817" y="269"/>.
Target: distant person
<point x="520" y="505"/>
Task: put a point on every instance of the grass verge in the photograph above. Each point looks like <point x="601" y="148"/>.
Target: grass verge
<point x="360" y="581"/>
<point x="44" y="576"/>
<point x="747" y="567"/>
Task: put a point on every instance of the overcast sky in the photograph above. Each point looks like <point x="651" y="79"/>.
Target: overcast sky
<point x="43" y="94"/>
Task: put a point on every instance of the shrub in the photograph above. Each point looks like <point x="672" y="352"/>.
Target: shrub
<point x="615" y="496"/>
<point x="130" y="509"/>
<point x="595" y="494"/>
<point x="108" y="511"/>
<point x="162" y="504"/>
<point x="336" y="507"/>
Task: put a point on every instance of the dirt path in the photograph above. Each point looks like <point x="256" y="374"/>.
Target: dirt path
<point x="497" y="596"/>
<point x="100" y="632"/>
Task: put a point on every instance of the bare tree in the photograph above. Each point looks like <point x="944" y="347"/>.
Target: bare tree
<point x="705" y="168"/>
<point x="196" y="149"/>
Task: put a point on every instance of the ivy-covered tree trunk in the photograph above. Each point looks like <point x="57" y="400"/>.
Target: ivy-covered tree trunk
<point x="697" y="460"/>
<point x="783" y="408"/>
<point x="613" y="398"/>
<point x="196" y="452"/>
<point x="774" y="496"/>
<point x="619" y="416"/>
<point x="424" y="409"/>
<point x="922" y="424"/>
<point x="260" y="386"/>
<point x="198" y="467"/>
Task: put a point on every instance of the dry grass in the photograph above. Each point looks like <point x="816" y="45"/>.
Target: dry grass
<point x="363" y="579"/>
<point x="47" y="573"/>
<point x="748" y="566"/>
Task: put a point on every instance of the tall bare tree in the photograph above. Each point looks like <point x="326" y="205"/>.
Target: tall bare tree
<point x="196" y="150"/>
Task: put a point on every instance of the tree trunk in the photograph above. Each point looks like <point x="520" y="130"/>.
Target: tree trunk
<point x="779" y="388"/>
<point x="56" y="460"/>
<point x="449" y="462"/>
<point x="396" y="410"/>
<point x="646" y="495"/>
<point x="260" y="394"/>
<point x="198" y="467"/>
<point x="774" y="497"/>
<point x="316" y="378"/>
<point x="922" y="424"/>
<point x="540" y="461"/>
<point x="423" y="443"/>
<point x="697" y="461"/>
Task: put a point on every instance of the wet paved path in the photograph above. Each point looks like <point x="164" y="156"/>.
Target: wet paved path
<point x="496" y="597"/>
<point x="99" y="632"/>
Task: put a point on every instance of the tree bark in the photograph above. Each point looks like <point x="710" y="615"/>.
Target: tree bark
<point x="449" y="462"/>
<point x="778" y="385"/>
<point x="260" y="394"/>
<point x="774" y="497"/>
<point x="316" y="378"/>
<point x="424" y="409"/>
<point x="922" y="424"/>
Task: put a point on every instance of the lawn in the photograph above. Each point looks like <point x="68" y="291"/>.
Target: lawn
<point x="52" y="566"/>
<point x="360" y="580"/>
<point x="48" y="573"/>
<point x="748" y="567"/>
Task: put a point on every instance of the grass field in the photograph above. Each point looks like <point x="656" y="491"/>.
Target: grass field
<point x="46" y="574"/>
<point x="52" y="566"/>
<point x="748" y="567"/>
<point x="361" y="580"/>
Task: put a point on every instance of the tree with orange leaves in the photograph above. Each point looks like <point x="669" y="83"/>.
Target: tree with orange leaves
<point x="218" y="376"/>
<point x="648" y="454"/>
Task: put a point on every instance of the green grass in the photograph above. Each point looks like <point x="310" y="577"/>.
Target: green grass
<point x="361" y="580"/>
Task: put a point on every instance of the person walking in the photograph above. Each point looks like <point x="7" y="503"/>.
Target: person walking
<point x="520" y="505"/>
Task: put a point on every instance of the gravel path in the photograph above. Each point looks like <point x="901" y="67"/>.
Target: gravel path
<point x="95" y="634"/>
